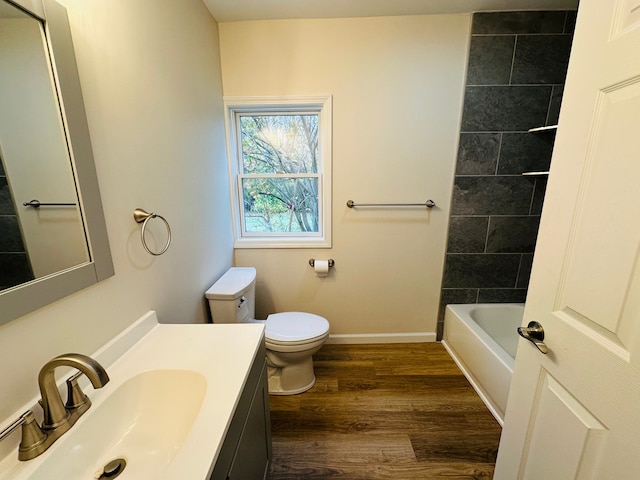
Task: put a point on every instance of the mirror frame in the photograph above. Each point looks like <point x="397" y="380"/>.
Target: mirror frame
<point x="25" y="298"/>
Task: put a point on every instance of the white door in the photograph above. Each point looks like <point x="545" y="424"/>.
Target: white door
<point x="575" y="412"/>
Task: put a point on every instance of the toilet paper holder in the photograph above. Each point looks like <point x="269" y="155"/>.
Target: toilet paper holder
<point x="312" y="262"/>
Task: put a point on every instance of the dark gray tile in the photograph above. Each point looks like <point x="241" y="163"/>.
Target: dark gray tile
<point x="490" y="59"/>
<point x="440" y="328"/>
<point x="478" y="153"/>
<point x="467" y="234"/>
<point x="570" y="22"/>
<point x="524" y="273"/>
<point x="10" y="235"/>
<point x="539" y="190"/>
<point x="512" y="234"/>
<point x="525" y="152"/>
<point x="452" y="296"/>
<point x="480" y="270"/>
<point x="541" y="59"/>
<point x="14" y="269"/>
<point x="518" y="22"/>
<point x="492" y="195"/>
<point x="554" y="105"/>
<point x="502" y="295"/>
<point x="510" y="108"/>
<point x="440" y="325"/>
<point x="6" y="201"/>
<point x="458" y="295"/>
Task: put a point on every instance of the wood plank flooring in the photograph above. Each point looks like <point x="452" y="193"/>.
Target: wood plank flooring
<point x="400" y="411"/>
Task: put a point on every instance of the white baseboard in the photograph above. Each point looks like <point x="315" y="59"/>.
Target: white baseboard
<point x="363" y="338"/>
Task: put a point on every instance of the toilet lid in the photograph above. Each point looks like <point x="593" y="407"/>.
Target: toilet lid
<point x="295" y="326"/>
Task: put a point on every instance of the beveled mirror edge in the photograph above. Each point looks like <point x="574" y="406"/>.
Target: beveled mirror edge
<point x="23" y="299"/>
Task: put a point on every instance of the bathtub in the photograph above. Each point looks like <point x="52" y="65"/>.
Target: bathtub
<point x="482" y="339"/>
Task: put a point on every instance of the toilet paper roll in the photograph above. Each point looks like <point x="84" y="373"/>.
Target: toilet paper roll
<point x="321" y="267"/>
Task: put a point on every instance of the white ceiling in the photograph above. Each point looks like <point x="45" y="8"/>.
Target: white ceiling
<point x="242" y="10"/>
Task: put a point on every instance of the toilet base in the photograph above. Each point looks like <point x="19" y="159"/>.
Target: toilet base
<point x="275" y="387"/>
<point x="288" y="378"/>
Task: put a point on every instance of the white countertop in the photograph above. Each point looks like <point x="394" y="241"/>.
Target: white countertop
<point x="222" y="353"/>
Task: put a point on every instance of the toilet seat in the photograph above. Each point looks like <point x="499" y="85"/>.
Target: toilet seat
<point x="295" y="328"/>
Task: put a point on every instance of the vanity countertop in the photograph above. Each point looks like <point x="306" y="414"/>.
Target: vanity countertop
<point x="222" y="353"/>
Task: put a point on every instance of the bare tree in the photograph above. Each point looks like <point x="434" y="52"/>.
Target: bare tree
<point x="281" y="150"/>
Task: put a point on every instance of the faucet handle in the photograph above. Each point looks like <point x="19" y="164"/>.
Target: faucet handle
<point x="33" y="437"/>
<point x="76" y="398"/>
<point x="28" y="415"/>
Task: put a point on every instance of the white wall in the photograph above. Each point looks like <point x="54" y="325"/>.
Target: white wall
<point x="151" y="80"/>
<point x="397" y="86"/>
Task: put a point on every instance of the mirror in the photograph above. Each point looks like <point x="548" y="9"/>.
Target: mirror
<point x="53" y="238"/>
<point x="35" y="161"/>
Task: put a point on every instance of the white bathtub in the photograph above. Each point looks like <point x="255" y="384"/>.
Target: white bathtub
<point x="482" y="339"/>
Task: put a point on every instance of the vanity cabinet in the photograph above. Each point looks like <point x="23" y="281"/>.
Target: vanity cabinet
<point x="246" y="451"/>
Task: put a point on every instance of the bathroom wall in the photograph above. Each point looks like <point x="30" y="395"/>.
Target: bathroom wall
<point x="397" y="86"/>
<point x="150" y="74"/>
<point x="515" y="78"/>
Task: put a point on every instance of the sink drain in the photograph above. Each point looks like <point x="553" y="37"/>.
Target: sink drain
<point x="113" y="468"/>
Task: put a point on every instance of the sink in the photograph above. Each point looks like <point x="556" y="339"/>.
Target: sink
<point x="166" y="411"/>
<point x="145" y="421"/>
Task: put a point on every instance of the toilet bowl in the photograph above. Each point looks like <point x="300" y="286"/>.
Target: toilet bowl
<point x="291" y="338"/>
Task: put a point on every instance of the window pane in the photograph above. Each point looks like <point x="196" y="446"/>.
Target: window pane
<point x="279" y="143"/>
<point x="280" y="205"/>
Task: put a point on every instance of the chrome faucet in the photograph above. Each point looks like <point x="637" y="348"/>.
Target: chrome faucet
<point x="58" y="417"/>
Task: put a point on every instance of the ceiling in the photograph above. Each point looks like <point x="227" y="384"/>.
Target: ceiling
<point x="243" y="10"/>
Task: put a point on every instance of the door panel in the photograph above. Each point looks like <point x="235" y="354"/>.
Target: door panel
<point x="575" y="412"/>
<point x="550" y="455"/>
<point x="596" y="285"/>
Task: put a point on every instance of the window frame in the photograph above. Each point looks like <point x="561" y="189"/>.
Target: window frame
<point x="320" y="105"/>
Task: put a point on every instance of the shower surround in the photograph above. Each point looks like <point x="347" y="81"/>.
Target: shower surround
<point x="14" y="263"/>
<point x="515" y="78"/>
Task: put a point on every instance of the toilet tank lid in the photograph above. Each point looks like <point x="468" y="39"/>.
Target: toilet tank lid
<point x="234" y="283"/>
<point x="295" y="326"/>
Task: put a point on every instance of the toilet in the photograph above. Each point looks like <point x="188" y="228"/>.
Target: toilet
<point x="291" y="338"/>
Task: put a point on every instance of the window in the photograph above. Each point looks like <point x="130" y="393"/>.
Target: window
<point x="280" y="170"/>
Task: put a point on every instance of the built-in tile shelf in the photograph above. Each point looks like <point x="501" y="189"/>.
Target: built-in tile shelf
<point x="543" y="129"/>
<point x="535" y="174"/>
<point x="549" y="128"/>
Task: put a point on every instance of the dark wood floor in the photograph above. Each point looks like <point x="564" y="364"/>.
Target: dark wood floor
<point x="401" y="411"/>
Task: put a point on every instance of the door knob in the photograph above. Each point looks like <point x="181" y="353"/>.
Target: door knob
<point x="535" y="334"/>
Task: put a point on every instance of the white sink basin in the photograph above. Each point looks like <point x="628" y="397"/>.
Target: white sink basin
<point x="145" y="421"/>
<point x="166" y="409"/>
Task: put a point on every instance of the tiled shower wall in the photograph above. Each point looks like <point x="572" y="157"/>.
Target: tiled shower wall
<point x="14" y="264"/>
<point x="517" y="67"/>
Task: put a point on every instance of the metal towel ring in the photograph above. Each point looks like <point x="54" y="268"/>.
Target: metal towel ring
<point x="143" y="217"/>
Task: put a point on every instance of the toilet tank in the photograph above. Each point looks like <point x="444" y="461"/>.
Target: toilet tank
<point x="232" y="299"/>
